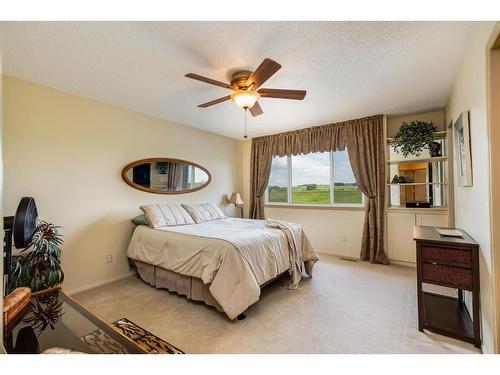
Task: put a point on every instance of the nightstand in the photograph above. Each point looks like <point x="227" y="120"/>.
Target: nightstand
<point x="451" y="262"/>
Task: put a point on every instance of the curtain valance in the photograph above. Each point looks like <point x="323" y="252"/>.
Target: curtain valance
<point x="323" y="138"/>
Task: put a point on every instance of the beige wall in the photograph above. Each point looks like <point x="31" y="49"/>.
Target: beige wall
<point x="332" y="231"/>
<point x="1" y="188"/>
<point x="245" y="149"/>
<point x="68" y="152"/>
<point x="472" y="204"/>
<point x="394" y="122"/>
<point x="494" y="105"/>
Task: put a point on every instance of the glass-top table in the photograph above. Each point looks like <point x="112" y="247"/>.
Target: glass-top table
<point x="55" y="320"/>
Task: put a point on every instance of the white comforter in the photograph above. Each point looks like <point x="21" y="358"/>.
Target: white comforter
<point x="234" y="256"/>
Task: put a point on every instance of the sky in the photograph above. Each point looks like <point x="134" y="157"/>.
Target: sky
<point x="312" y="169"/>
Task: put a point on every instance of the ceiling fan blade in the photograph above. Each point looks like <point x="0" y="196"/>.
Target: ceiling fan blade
<point x="207" y="80"/>
<point x="265" y="70"/>
<point x="256" y="110"/>
<point x="216" y="101"/>
<point x="283" y="94"/>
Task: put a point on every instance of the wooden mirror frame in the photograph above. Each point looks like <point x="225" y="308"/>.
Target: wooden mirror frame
<point x="155" y="160"/>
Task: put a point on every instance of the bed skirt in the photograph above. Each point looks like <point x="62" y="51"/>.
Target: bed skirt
<point x="191" y="287"/>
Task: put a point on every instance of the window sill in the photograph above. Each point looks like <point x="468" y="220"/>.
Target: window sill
<point x="315" y="207"/>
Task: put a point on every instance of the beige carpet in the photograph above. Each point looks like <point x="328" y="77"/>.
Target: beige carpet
<point x="348" y="307"/>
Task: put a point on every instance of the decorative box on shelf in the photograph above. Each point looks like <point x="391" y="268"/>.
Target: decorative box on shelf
<point x="418" y="204"/>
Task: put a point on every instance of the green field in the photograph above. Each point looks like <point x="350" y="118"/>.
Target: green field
<point x="319" y="194"/>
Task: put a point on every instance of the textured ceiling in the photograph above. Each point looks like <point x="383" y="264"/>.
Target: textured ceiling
<point x="349" y="69"/>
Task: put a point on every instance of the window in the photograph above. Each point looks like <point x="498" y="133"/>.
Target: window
<point x="320" y="178"/>
<point x="311" y="178"/>
<point x="277" y="188"/>
<point x="346" y="189"/>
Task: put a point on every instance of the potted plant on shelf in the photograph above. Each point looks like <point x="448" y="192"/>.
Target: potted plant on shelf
<point x="402" y="180"/>
<point x="415" y="136"/>
<point x="38" y="266"/>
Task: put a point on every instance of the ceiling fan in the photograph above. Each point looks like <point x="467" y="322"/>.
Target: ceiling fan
<point x="246" y="87"/>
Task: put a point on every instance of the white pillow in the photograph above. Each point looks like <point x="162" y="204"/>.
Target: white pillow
<point x="163" y="215"/>
<point x="204" y="212"/>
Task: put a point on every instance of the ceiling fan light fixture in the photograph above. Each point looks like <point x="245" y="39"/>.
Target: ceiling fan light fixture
<point x="246" y="86"/>
<point x="245" y="99"/>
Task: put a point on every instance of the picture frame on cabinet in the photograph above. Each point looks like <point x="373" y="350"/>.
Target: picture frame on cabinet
<point x="463" y="156"/>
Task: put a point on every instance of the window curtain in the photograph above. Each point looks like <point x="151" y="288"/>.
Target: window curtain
<point x="260" y="168"/>
<point x="365" y="146"/>
<point x="174" y="175"/>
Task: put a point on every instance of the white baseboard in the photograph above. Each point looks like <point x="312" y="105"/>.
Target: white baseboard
<point x="401" y="263"/>
<point x="337" y="255"/>
<point x="345" y="257"/>
<point x="98" y="283"/>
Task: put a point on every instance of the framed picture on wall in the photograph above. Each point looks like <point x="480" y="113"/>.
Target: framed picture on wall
<point x="463" y="157"/>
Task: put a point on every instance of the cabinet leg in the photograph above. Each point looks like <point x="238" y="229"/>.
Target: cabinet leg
<point x="460" y="296"/>
<point x="421" y="314"/>
<point x="476" y="318"/>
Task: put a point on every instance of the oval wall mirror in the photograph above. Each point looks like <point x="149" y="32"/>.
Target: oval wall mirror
<point x="166" y="176"/>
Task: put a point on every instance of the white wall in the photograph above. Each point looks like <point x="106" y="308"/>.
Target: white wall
<point x="68" y="153"/>
<point x="472" y="203"/>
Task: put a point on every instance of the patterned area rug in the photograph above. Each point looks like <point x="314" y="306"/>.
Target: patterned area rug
<point x="102" y="343"/>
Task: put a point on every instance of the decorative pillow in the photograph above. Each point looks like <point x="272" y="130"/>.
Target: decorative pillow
<point x="140" y="220"/>
<point x="204" y="212"/>
<point x="163" y="215"/>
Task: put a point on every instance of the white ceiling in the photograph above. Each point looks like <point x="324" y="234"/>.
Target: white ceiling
<point x="349" y="69"/>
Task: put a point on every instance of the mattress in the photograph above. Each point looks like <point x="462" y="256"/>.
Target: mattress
<point x="232" y="257"/>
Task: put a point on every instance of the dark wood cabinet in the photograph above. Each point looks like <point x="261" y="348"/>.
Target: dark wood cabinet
<point x="451" y="262"/>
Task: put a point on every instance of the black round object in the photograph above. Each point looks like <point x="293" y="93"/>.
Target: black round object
<point x="25" y="222"/>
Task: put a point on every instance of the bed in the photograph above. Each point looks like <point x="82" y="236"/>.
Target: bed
<point x="223" y="263"/>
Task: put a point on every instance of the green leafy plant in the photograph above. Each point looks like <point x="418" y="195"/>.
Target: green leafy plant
<point x="38" y="266"/>
<point x="413" y="137"/>
<point x="402" y="179"/>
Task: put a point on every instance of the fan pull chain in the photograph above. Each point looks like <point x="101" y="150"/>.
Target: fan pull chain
<point x="246" y="120"/>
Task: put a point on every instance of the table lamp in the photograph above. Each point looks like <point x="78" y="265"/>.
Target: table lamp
<point x="237" y="201"/>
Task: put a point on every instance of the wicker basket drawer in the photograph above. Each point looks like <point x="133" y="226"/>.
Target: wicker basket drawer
<point x="453" y="276"/>
<point x="442" y="254"/>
